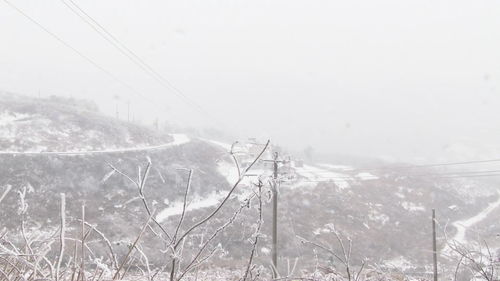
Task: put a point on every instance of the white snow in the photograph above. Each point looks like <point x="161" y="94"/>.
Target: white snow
<point x="6" y="118"/>
<point x="179" y="139"/>
<point x="197" y="203"/>
<point x="366" y="176"/>
<point x="375" y="215"/>
<point x="313" y="173"/>
<point x="400" y="263"/>
<point x="400" y="195"/>
<point x="226" y="146"/>
<point x="337" y="167"/>
<point x="228" y="170"/>
<point x="412" y="207"/>
<point x="327" y="228"/>
<point x="462" y="225"/>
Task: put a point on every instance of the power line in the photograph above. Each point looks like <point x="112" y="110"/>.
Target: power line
<point x="85" y="57"/>
<point x="132" y="56"/>
<point x="449" y="164"/>
<point x="323" y="176"/>
<point x="471" y="176"/>
<point x="406" y="167"/>
<point x="326" y="173"/>
<point x="457" y="173"/>
<point x="478" y="175"/>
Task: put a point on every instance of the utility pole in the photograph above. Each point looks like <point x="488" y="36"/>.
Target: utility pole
<point x="275" y="215"/>
<point x="274" y="250"/>
<point x="434" y="246"/>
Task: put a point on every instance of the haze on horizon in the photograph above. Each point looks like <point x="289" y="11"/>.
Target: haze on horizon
<point x="403" y="80"/>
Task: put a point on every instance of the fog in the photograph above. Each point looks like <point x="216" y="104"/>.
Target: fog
<point x="401" y="80"/>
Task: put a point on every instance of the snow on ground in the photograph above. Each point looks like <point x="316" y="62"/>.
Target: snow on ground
<point x="399" y="263"/>
<point x="366" y="176"/>
<point x="243" y="150"/>
<point x="463" y="225"/>
<point x="337" y="167"/>
<point x="412" y="207"/>
<point x="400" y="195"/>
<point x="7" y="118"/>
<point x="309" y="175"/>
<point x="265" y="251"/>
<point x="179" y="139"/>
<point x="226" y="146"/>
<point x="315" y="174"/>
<point x="10" y="131"/>
<point x="228" y="170"/>
<point x="197" y="203"/>
<point x="327" y="228"/>
<point x="376" y="216"/>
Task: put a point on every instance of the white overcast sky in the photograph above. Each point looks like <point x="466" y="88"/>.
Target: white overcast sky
<point x="403" y="80"/>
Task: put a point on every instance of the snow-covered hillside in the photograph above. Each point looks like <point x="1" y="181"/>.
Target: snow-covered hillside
<point x="47" y="125"/>
<point x="386" y="213"/>
<point x="368" y="203"/>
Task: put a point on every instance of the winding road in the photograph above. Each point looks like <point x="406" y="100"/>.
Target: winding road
<point x="179" y="139"/>
<point x="463" y="225"/>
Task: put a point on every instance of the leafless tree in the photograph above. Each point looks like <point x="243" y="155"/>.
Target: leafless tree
<point x="345" y="244"/>
<point x="178" y="237"/>
<point x="475" y="257"/>
<point x="68" y="252"/>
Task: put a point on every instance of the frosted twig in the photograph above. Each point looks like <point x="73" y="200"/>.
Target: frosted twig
<point x="61" y="235"/>
<point x="257" y="231"/>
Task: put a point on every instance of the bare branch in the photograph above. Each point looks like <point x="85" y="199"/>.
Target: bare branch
<point x="61" y="235"/>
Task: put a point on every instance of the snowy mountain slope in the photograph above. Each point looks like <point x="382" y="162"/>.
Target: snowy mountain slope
<point x="54" y="124"/>
<point x="386" y="213"/>
<point x="467" y="225"/>
<point x="87" y="143"/>
<point x="390" y="207"/>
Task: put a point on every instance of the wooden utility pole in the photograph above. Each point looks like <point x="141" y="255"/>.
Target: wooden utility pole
<point x="434" y="246"/>
<point x="275" y="216"/>
<point x="275" y="185"/>
<point x="274" y="250"/>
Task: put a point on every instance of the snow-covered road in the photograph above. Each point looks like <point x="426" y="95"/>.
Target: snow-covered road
<point x="179" y="139"/>
<point x="197" y="203"/>
<point x="463" y="225"/>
